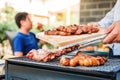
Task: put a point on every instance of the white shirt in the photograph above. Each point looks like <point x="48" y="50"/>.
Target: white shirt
<point x="110" y="17"/>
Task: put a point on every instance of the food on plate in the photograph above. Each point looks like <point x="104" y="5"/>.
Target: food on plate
<point x="48" y="55"/>
<point x="83" y="60"/>
<point x="72" y="30"/>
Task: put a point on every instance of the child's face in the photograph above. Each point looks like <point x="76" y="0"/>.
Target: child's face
<point x="27" y="23"/>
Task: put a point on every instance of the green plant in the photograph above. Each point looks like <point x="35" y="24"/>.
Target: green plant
<point x="8" y="24"/>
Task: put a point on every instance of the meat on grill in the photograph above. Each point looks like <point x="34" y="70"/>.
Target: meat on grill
<point x="72" y="30"/>
<point x="82" y="60"/>
<point x="41" y="55"/>
<point x="64" y="61"/>
<point x="48" y="55"/>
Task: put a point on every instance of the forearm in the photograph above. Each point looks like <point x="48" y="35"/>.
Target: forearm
<point x="18" y="54"/>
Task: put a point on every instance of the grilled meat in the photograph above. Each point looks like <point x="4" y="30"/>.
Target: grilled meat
<point x="72" y="30"/>
<point x="83" y="60"/>
<point x="48" y="55"/>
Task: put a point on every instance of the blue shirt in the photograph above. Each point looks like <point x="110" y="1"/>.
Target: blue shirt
<point x="24" y="43"/>
<point x="112" y="16"/>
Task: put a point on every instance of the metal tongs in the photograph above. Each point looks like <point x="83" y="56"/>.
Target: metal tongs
<point x="87" y="42"/>
<point x="92" y="41"/>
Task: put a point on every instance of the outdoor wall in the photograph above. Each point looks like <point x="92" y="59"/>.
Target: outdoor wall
<point x="94" y="10"/>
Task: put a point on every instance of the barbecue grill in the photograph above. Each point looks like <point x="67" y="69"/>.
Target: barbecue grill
<point x="22" y="68"/>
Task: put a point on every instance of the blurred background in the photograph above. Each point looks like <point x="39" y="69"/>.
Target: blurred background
<point x="50" y="13"/>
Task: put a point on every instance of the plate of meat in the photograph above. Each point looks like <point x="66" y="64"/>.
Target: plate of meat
<point x="65" y="35"/>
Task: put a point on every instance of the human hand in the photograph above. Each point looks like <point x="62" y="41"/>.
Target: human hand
<point x="94" y="24"/>
<point x="113" y="33"/>
<point x="43" y="42"/>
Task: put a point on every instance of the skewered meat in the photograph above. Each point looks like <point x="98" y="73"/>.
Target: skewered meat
<point x="72" y="30"/>
<point x="48" y="55"/>
<point x="84" y="60"/>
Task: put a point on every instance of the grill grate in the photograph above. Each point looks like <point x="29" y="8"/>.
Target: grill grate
<point x="111" y="65"/>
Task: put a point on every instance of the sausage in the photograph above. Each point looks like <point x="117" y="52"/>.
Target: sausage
<point x="64" y="61"/>
<point x="74" y="61"/>
<point x="81" y="62"/>
<point x="101" y="60"/>
<point x="95" y="62"/>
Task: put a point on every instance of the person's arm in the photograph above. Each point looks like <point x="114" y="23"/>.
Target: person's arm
<point x="38" y="40"/>
<point x="18" y="54"/>
<point x="42" y="42"/>
<point x="106" y="21"/>
<point x="110" y="16"/>
<point x="18" y="47"/>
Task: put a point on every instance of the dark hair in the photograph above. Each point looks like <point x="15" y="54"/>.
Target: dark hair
<point x="20" y="16"/>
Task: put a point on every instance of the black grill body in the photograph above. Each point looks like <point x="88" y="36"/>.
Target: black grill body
<point x="26" y="69"/>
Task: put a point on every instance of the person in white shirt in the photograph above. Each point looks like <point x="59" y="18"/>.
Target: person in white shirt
<point x="112" y="22"/>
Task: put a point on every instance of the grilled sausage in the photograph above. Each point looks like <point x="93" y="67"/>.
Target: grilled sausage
<point x="64" y="61"/>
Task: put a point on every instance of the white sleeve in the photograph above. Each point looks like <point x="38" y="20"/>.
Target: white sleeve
<point x="108" y="19"/>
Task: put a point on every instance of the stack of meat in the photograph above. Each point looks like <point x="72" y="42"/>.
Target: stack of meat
<point x="48" y="55"/>
<point x="72" y="30"/>
<point x="83" y="60"/>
